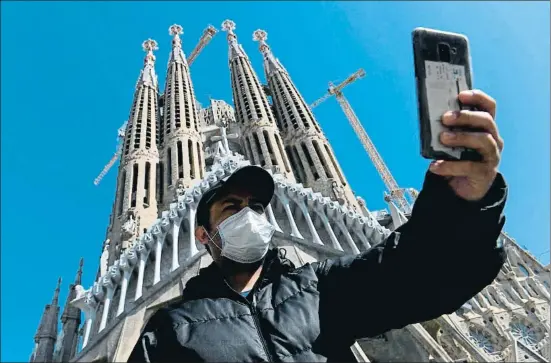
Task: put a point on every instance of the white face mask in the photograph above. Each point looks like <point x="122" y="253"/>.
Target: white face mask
<point x="245" y="236"/>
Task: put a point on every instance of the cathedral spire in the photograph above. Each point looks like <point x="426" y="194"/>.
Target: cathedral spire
<point x="148" y="76"/>
<point x="182" y="159"/>
<point x="271" y="63"/>
<point x="70" y="319"/>
<point x="313" y="161"/>
<point x="177" y="54"/>
<point x="55" y="299"/>
<point x="235" y="49"/>
<point x="260" y="135"/>
<point x="46" y="335"/>
<point x="135" y="203"/>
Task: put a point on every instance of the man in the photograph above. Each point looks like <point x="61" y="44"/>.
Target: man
<point x="251" y="304"/>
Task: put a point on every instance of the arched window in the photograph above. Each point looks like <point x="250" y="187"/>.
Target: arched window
<point x="523" y="269"/>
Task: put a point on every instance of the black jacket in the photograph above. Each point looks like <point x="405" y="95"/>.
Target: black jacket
<point x="444" y="255"/>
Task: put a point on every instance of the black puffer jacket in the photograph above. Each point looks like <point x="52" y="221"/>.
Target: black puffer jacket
<point x="430" y="266"/>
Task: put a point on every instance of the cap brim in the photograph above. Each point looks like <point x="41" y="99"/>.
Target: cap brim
<point x="253" y="179"/>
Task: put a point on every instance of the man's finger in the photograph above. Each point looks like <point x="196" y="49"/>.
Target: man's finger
<point x="456" y="168"/>
<point x="480" y="100"/>
<point x="483" y="142"/>
<point x="474" y="119"/>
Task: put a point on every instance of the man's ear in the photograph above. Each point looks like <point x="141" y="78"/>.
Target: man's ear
<point x="201" y="235"/>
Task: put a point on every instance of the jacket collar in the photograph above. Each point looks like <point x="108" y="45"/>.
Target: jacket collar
<point x="210" y="281"/>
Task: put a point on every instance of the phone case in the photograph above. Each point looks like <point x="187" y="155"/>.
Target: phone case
<point x="439" y="81"/>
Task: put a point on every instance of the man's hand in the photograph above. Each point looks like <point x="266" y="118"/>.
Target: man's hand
<point x="471" y="180"/>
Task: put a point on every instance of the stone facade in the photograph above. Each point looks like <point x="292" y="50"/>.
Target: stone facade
<point x="151" y="252"/>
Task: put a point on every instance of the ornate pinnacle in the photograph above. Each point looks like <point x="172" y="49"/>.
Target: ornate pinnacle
<point x="56" y="293"/>
<point x="261" y="36"/>
<point x="79" y="272"/>
<point x="229" y="26"/>
<point x="175" y="30"/>
<point x="149" y="46"/>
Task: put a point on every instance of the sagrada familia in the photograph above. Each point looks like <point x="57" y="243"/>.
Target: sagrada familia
<point x="173" y="149"/>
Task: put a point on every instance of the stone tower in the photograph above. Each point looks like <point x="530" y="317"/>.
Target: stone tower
<point x="46" y="335"/>
<point x="219" y="131"/>
<point x="135" y="205"/>
<point x="67" y="341"/>
<point x="260" y="136"/>
<point x="182" y="148"/>
<point x="311" y="155"/>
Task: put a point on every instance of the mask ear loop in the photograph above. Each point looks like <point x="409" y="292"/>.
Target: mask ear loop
<point x="212" y="238"/>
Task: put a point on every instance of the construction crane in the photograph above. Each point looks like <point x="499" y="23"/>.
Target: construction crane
<point x="205" y="39"/>
<point x="120" y="139"/>
<point x="396" y="193"/>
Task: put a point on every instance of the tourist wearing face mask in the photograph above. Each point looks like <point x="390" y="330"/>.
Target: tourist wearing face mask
<point x="252" y="305"/>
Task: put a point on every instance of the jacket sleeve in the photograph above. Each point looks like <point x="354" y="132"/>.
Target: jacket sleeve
<point x="158" y="342"/>
<point x="444" y="255"/>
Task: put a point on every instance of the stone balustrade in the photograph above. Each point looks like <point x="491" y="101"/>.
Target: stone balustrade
<point x="158" y="247"/>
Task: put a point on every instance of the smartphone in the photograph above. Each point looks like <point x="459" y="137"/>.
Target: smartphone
<point x="442" y="69"/>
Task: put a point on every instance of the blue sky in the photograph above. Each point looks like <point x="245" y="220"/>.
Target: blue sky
<point x="69" y="71"/>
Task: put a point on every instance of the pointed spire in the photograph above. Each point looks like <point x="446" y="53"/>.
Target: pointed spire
<point x="78" y="277"/>
<point x="271" y="63"/>
<point x="46" y="334"/>
<point x="148" y="77"/>
<point x="55" y="299"/>
<point x="177" y="54"/>
<point x="236" y="50"/>
<point x="68" y="338"/>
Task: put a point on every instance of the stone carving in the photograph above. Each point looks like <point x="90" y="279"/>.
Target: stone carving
<point x="104" y="259"/>
<point x="131" y="226"/>
<point x="180" y="189"/>
<point x="338" y="192"/>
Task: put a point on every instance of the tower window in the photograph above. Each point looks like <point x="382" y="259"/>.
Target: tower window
<point x="160" y="182"/>
<point x="335" y="165"/>
<point x="296" y="170"/>
<point x="310" y="161"/>
<point x="200" y="159"/>
<point x="300" y="164"/>
<point x="322" y="160"/>
<point x="134" y="186"/>
<point x="169" y="166"/>
<point x="191" y="159"/>
<point x="283" y="155"/>
<point x="147" y="185"/>
<point x="259" y="150"/>
<point x="180" y="157"/>
<point x="268" y="142"/>
<point x="122" y="188"/>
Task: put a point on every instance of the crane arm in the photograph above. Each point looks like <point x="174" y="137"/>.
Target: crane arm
<point x="360" y="73"/>
<point x="110" y="164"/>
<point x="205" y="39"/>
<point x="374" y="155"/>
<point x="319" y="100"/>
<point x="120" y="137"/>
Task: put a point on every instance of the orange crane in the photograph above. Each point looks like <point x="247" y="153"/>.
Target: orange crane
<point x="396" y="193"/>
<point x="205" y="39"/>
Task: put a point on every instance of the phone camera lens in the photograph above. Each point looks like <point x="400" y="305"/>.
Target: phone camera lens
<point x="454" y="50"/>
<point x="444" y="52"/>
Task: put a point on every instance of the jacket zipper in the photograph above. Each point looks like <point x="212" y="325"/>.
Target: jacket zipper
<point x="257" y="323"/>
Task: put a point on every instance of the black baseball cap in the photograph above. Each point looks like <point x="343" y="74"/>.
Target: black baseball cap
<point x="252" y="178"/>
